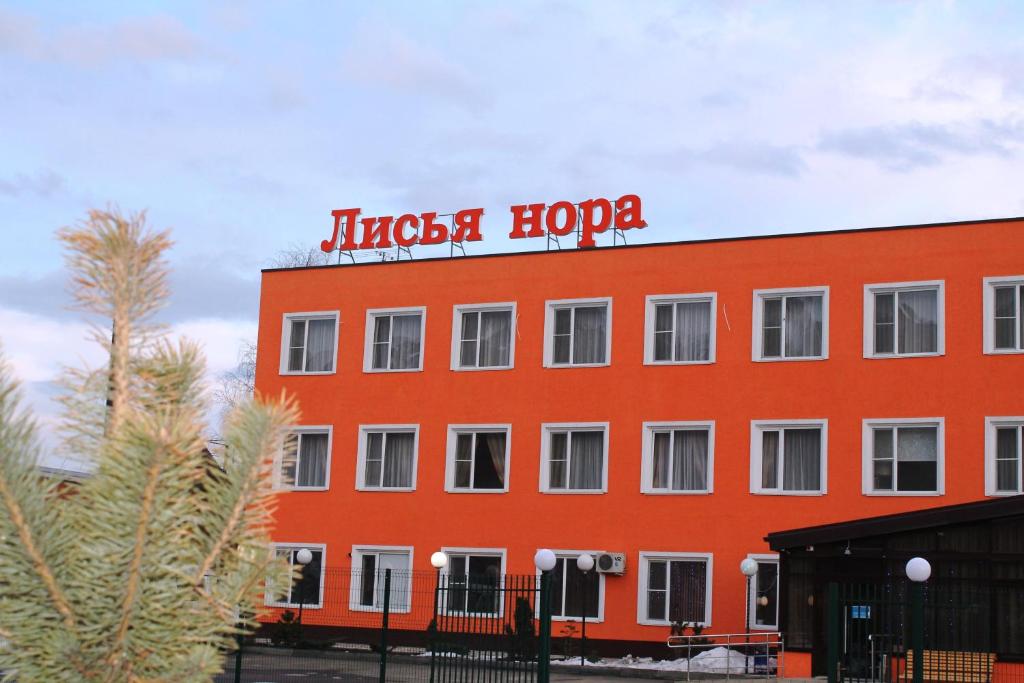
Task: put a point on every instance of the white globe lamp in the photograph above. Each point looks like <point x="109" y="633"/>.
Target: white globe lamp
<point x="545" y="560"/>
<point x="918" y="569"/>
<point x="304" y="556"/>
<point x="585" y="562"/>
<point x="439" y="560"/>
<point x="748" y="567"/>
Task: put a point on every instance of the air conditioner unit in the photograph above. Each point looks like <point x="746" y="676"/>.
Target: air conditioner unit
<point x="611" y="563"/>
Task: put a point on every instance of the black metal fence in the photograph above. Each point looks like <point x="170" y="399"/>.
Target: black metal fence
<point x="394" y="625"/>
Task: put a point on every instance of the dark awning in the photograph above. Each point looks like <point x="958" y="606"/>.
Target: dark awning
<point x="1010" y="506"/>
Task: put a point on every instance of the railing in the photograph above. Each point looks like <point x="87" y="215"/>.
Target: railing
<point x="760" y="654"/>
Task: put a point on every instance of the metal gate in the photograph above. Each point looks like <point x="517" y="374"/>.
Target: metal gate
<point x="866" y="631"/>
<point x="487" y="628"/>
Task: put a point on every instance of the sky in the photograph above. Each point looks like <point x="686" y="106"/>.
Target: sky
<point x="241" y="125"/>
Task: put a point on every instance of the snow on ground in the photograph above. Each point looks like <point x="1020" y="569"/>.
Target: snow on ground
<point x="715" y="660"/>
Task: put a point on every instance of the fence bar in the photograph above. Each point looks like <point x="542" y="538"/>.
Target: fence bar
<point x="384" y="627"/>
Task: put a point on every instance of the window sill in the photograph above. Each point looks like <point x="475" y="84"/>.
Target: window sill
<point x="379" y="610"/>
<point x="1002" y="494"/>
<point x="653" y="492"/>
<point x="574" y="492"/>
<point x="679" y="362"/>
<point x="590" y="620"/>
<point x="296" y="373"/>
<point x="794" y="359"/>
<point x="483" y="491"/>
<point x="483" y="369"/>
<point x="564" y="366"/>
<point x="789" y="493"/>
<point x="888" y="356"/>
<point x="386" y="489"/>
<point x="302" y="489"/>
<point x="663" y="624"/>
<point x="904" y="494"/>
<point x="1004" y="352"/>
<point x="382" y="371"/>
<point x="764" y="627"/>
<point x="295" y="605"/>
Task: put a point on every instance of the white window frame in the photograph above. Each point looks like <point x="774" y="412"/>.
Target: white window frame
<point x="371" y="315"/>
<point x="896" y="287"/>
<point x="457" y="312"/>
<point x="451" y="448"/>
<point x="643" y="575"/>
<point x="989" y="307"/>
<point x="757" y="342"/>
<point x="545" y="456"/>
<point x="756" y="445"/>
<point x="364" y="430"/>
<point x="570" y="556"/>
<point x="991" y="424"/>
<point x="868" y="447"/>
<point x="767" y="558"/>
<point x="357" y="563"/>
<point x="279" y="461"/>
<point x="322" y="547"/>
<point x="286" y="333"/>
<point x="480" y="552"/>
<point x="647" y="457"/>
<point x="654" y="300"/>
<point x="550" y="306"/>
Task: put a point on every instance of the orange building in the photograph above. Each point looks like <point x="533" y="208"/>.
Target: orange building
<point x="672" y="403"/>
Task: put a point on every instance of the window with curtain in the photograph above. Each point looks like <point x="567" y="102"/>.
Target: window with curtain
<point x="396" y="341"/>
<point x="369" y="573"/>
<point x="485" y="338"/>
<point x="906" y="321"/>
<point x="792" y="325"/>
<point x="790" y="459"/>
<point x="679" y="459"/>
<point x="905" y="458"/>
<point x="676" y="589"/>
<point x="473" y="583"/>
<point x="682" y="331"/>
<point x="580" y="334"/>
<point x="310" y="343"/>
<point x="305" y="587"/>
<point x="765" y="594"/>
<point x="1009" y="444"/>
<point x="1008" y="317"/>
<point x="576" y="460"/>
<point x="479" y="460"/>
<point x="574" y="592"/>
<point x="389" y="459"/>
<point x="304" y="463"/>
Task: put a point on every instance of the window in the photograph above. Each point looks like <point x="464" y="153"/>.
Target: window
<point x="573" y="458"/>
<point x="680" y="329"/>
<point x="305" y="461"/>
<point x="1004" y="449"/>
<point x="308" y="586"/>
<point x="394" y="340"/>
<point x="677" y="457"/>
<point x="578" y="332"/>
<point x="478" y="458"/>
<point x="474" y="581"/>
<point x="764" y="594"/>
<point x="309" y="343"/>
<point x="1004" y="314"/>
<point x="904" y="319"/>
<point x="788" y="458"/>
<point x="674" y="587"/>
<point x="790" y="324"/>
<point x="387" y="458"/>
<point x="903" y="457"/>
<point x="369" y="573"/>
<point x="483" y="337"/>
<point x="574" y="592"/>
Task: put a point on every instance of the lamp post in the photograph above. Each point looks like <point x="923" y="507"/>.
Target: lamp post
<point x="303" y="557"/>
<point x="918" y="571"/>
<point x="545" y="561"/>
<point x="584" y="563"/>
<point x="748" y="567"/>
<point x="439" y="560"/>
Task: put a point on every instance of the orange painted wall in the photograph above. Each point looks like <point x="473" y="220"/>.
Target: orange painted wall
<point x="963" y="386"/>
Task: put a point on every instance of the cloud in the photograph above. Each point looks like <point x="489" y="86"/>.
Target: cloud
<point x="139" y="39"/>
<point x="905" y="147"/>
<point x="385" y="57"/>
<point x="44" y="184"/>
<point x="760" y="158"/>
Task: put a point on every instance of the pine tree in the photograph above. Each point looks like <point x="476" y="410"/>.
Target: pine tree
<point x="148" y="569"/>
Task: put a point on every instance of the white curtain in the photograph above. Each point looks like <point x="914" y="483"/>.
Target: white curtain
<point x="312" y="460"/>
<point x="320" y="346"/>
<point x="495" y="337"/>
<point x="917" y="444"/>
<point x="662" y="463"/>
<point x="399" y="566"/>
<point x="398" y="460"/>
<point x="693" y="330"/>
<point x="801" y="464"/>
<point x="405" y="341"/>
<point x="589" y="334"/>
<point x="586" y="461"/>
<point x="918" y="321"/>
<point x="803" y="326"/>
<point x="690" y="472"/>
<point x="495" y="443"/>
<point x="770" y="460"/>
